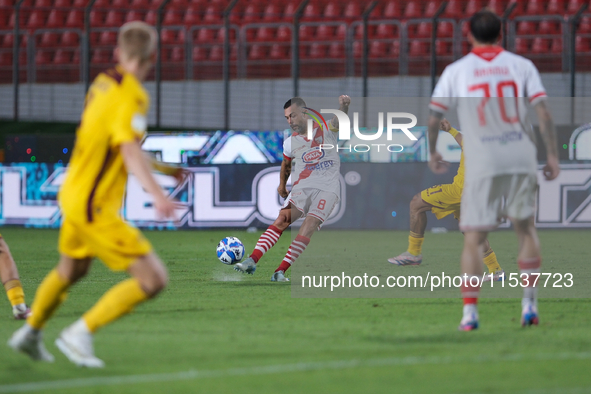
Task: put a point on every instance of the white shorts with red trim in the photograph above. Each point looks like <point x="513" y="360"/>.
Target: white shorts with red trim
<point x="313" y="202"/>
<point x="486" y="201"/>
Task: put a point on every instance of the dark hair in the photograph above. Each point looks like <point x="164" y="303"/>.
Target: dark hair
<point x="296" y="100"/>
<point x="485" y="26"/>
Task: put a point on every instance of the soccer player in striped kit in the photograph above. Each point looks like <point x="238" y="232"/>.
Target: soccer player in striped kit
<point x="315" y="191"/>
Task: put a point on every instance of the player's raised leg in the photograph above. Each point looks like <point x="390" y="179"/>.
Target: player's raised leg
<point x="529" y="261"/>
<point x="50" y="294"/>
<point x="297" y="247"/>
<point x="12" y="283"/>
<point x="267" y="240"/>
<point x="418" y="223"/>
<point x="471" y="265"/>
<point x="149" y="277"/>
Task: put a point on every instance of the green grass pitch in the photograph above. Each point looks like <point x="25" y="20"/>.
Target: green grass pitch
<point x="216" y="331"/>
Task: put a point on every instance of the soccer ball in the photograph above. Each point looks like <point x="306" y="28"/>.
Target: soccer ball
<point x="230" y="250"/>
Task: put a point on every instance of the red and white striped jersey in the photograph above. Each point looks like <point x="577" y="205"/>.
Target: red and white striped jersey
<point x="490" y="88"/>
<point x="314" y="168"/>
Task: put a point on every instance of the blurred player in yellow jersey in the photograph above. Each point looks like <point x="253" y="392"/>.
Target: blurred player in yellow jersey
<point x="442" y="200"/>
<point x="12" y="283"/>
<point x="107" y="148"/>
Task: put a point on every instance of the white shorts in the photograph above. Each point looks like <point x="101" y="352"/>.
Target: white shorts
<point x="313" y="202"/>
<point x="486" y="201"/>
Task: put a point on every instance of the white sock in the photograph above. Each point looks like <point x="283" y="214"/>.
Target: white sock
<point x="530" y="297"/>
<point x="470" y="310"/>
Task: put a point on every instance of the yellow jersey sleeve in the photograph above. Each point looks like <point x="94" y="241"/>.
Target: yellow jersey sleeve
<point x="129" y="122"/>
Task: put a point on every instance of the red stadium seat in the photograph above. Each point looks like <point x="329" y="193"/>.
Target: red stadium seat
<point x="103" y="5"/>
<point x="325" y="32"/>
<point x="48" y="39"/>
<point x="140" y="4"/>
<point x="43" y="57"/>
<point x="556" y="7"/>
<point x="36" y="20"/>
<point x="172" y="17"/>
<point x="548" y="27"/>
<point x="431" y="8"/>
<point x="341" y="32"/>
<point x="317" y="51"/>
<point x="377" y="49"/>
<point x="306" y="33"/>
<point x="97" y="18"/>
<point x="200" y="54"/>
<point x="290" y="10"/>
<point x="42" y="3"/>
<point x="519" y="8"/>
<point x="378" y="11"/>
<point x="5" y="58"/>
<point x="525" y="28"/>
<point x="535" y="7"/>
<point x="394" y="49"/>
<point x="357" y="49"/>
<point x="108" y="38"/>
<point x="134" y="15"/>
<point x="252" y="14"/>
<point x="150" y="17"/>
<point x="178" y="4"/>
<point x="272" y="13"/>
<point x="168" y="36"/>
<point x="76" y="57"/>
<point x="311" y="11"/>
<point x="192" y="16"/>
<point x="75" y="18"/>
<point x="62" y="57"/>
<point x="472" y="7"/>
<point x="101" y="56"/>
<point x="283" y="33"/>
<point x="212" y="15"/>
<point x="353" y="10"/>
<point x="221" y="34"/>
<point x="556" y="46"/>
<point x="585" y="26"/>
<point x="205" y="35"/>
<point x="386" y="31"/>
<point x="55" y="19"/>
<point x="453" y="9"/>
<point x="443" y="48"/>
<point x="574" y="5"/>
<point x="177" y="54"/>
<point x="392" y="10"/>
<point x="424" y="30"/>
<point x="418" y="48"/>
<point x="413" y="10"/>
<point x="445" y="29"/>
<point x="521" y="45"/>
<point x="70" y="39"/>
<point x="582" y="44"/>
<point x="371" y="31"/>
<point x="79" y="3"/>
<point x="121" y="4"/>
<point x="540" y="45"/>
<point x="332" y="10"/>
<point x="336" y="50"/>
<point x="216" y="53"/>
<point x="497" y="6"/>
<point x="278" y="52"/>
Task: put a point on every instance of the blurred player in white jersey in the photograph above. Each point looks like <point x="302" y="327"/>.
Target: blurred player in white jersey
<point x="315" y="184"/>
<point x="489" y="88"/>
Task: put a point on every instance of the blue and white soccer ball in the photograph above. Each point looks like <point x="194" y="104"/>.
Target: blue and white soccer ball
<point x="230" y="250"/>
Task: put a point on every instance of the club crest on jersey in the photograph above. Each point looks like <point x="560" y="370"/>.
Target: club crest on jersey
<point x="313" y="156"/>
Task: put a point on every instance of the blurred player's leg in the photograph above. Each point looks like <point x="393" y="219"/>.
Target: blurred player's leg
<point x="297" y="247"/>
<point x="418" y="223"/>
<point x="529" y="261"/>
<point x="12" y="283"/>
<point x="471" y="266"/>
<point x="149" y="277"/>
<point x="51" y="293"/>
<point x="490" y="259"/>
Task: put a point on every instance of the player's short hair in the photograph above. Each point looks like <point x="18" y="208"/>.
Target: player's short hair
<point x="137" y="40"/>
<point x="485" y="26"/>
<point x="296" y="100"/>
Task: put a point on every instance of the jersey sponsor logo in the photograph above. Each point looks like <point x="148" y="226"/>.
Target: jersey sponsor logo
<point x="320" y="166"/>
<point x="313" y="156"/>
<point x="506" y="137"/>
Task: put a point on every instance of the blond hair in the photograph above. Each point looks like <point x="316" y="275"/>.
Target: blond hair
<point x="137" y="40"/>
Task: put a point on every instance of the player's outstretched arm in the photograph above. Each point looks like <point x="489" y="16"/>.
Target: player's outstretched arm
<point x="179" y="173"/>
<point x="548" y="131"/>
<point x="436" y="163"/>
<point x="447" y="127"/>
<point x="283" y="177"/>
<point x="136" y="163"/>
<point x="344" y="102"/>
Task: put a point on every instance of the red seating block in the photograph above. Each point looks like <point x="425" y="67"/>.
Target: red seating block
<point x="445" y="29"/>
<point x="431" y="8"/>
<point x="574" y="5"/>
<point x="101" y="56"/>
<point x="306" y="32"/>
<point x="535" y="7"/>
<point x="392" y="10"/>
<point x="453" y="9"/>
<point x="97" y="18"/>
<point x="472" y="7"/>
<point x="357" y="49"/>
<point x="332" y="10"/>
<point x="585" y="25"/>
<point x="272" y="13"/>
<point x="140" y="4"/>
<point x="205" y="35"/>
<point x="317" y="51"/>
<point x="252" y="14"/>
<point x="212" y="15"/>
<point x="123" y="4"/>
<point x="192" y="16"/>
<point x="172" y="17"/>
<point x="108" y="38"/>
<point x="443" y="48"/>
<point x="177" y="54"/>
<point x="36" y="20"/>
<point x="325" y="32"/>
<point x="336" y="50"/>
<point x="290" y="10"/>
<point x="413" y="10"/>
<point x="377" y="49"/>
<point x="556" y="46"/>
<point x="200" y="54"/>
<point x="424" y="30"/>
<point x="540" y="45"/>
<point x="70" y="39"/>
<point x="150" y="17"/>
<point x="521" y="45"/>
<point x="526" y="28"/>
<point x="497" y="6"/>
<point x="548" y="27"/>
<point x="386" y="31"/>
<point x="55" y="19"/>
<point x="62" y="57"/>
<point x="43" y="57"/>
<point x="418" y="48"/>
<point x="216" y="53"/>
<point x="311" y="11"/>
<point x="75" y="18"/>
<point x="283" y="33"/>
<point x="582" y="44"/>
<point x="5" y="58"/>
<point x="48" y="39"/>
<point x="134" y="15"/>
<point x="278" y="52"/>
<point x="556" y="7"/>
<point x="353" y="10"/>
<point x="42" y="3"/>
